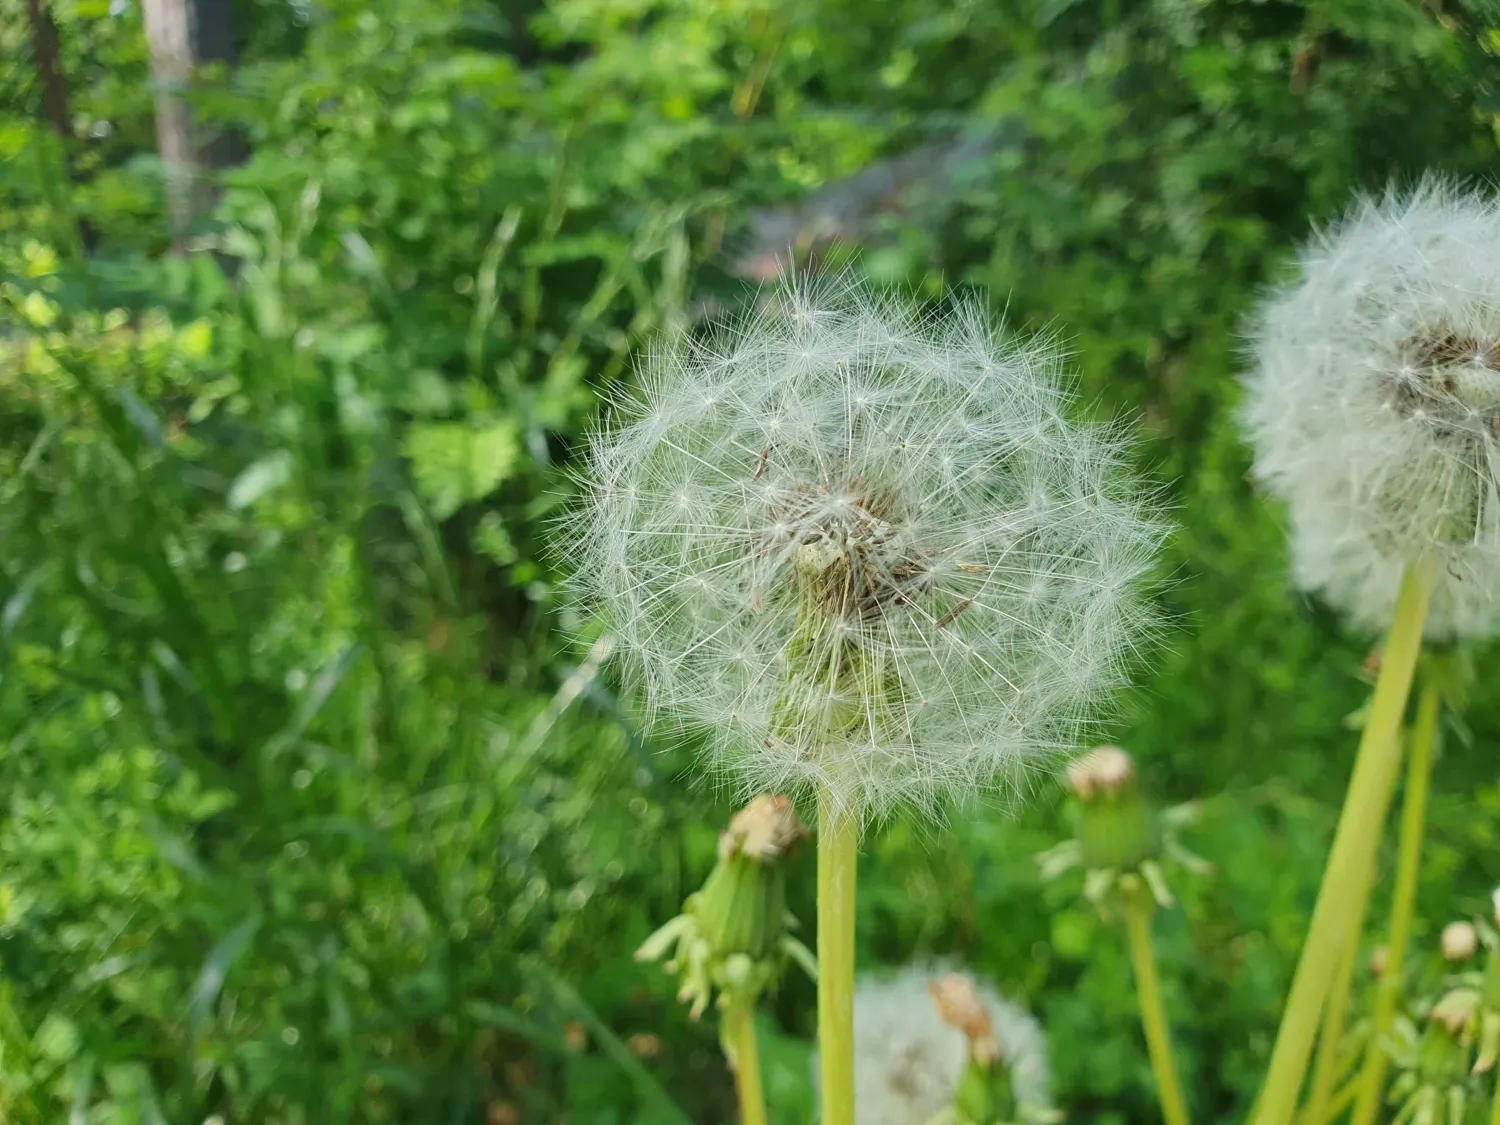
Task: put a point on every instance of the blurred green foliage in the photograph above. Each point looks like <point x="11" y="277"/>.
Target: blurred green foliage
<point x="310" y="811"/>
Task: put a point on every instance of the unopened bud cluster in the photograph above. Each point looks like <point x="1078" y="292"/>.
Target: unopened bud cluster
<point x="734" y="935"/>
<point x="1445" y="1051"/>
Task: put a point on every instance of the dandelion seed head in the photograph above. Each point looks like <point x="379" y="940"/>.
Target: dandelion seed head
<point x="863" y="550"/>
<point x="908" y="1059"/>
<point x="1373" y="406"/>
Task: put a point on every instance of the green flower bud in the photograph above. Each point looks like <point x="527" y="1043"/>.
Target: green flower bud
<point x="1118" y="828"/>
<point x="732" y="935"/>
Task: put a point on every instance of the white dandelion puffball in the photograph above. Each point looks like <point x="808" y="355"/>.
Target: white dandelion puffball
<point x="908" y="1061"/>
<point x="1374" y="406"/>
<point x="863" y="550"/>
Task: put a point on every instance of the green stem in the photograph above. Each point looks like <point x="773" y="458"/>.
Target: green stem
<point x="1495" y="1105"/>
<point x="1342" y="1101"/>
<point x="1408" y="865"/>
<point x="1343" y="892"/>
<point x="1139" y="907"/>
<point x="744" y="1058"/>
<point x="1331" y="1037"/>
<point x="838" y="843"/>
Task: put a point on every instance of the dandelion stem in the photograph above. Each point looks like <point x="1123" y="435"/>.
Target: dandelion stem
<point x="1495" y="1107"/>
<point x="744" y="1057"/>
<point x="1342" y="1100"/>
<point x="838" y="842"/>
<point x="1408" y="865"/>
<point x="1344" y="891"/>
<point x="1139" y="906"/>
<point x="1330" y="1038"/>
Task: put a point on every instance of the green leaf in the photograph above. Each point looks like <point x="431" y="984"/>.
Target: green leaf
<point x="58" y="1038"/>
<point x="454" y="464"/>
<point x="259" y="478"/>
<point x="216" y="968"/>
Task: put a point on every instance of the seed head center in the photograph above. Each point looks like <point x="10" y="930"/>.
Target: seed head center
<point x="846" y="547"/>
<point x="1450" y="381"/>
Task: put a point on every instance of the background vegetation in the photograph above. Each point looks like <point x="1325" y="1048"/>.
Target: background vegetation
<point x="311" y="812"/>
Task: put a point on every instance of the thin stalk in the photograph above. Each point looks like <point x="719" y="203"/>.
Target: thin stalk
<point x="1343" y="893"/>
<point x="1495" y="1106"/>
<point x="838" y="842"/>
<point x="1408" y="866"/>
<point x="1319" y="1109"/>
<point x="1139" y="906"/>
<point x="1342" y="1100"/>
<point x="744" y="1058"/>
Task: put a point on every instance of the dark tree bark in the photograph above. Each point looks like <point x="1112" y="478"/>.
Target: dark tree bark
<point x="45" y="53"/>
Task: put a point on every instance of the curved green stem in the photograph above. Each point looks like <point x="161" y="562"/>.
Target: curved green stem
<point x="744" y="1058"/>
<point x="838" y="846"/>
<point x="1139" y="907"/>
<point x="1345" y="887"/>
<point x="1408" y="866"/>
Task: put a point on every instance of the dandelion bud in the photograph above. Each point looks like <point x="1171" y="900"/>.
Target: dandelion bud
<point x="1117" y="827"/>
<point x="1433" y="1083"/>
<point x="959" y="1006"/>
<point x="1374" y="406"/>
<point x="863" y="551"/>
<point x="1459" y="941"/>
<point x="1456" y="1011"/>
<point x="732" y="935"/>
<point x="1107" y="769"/>
<point x="763" y="830"/>
<point x="1121" y="838"/>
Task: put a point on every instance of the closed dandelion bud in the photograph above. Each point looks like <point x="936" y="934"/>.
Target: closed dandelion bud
<point x="959" y="1006"/>
<point x="985" y="1095"/>
<point x="733" y="935"/>
<point x="1117" y="826"/>
<point x="1373" y="407"/>
<point x="1456" y="1011"/>
<point x="863" y="551"/>
<point x="1459" y="941"/>
<point x="1105" y="771"/>
<point x="742" y="905"/>
<point x="1121" y="838"/>
<point x="1433" y="1084"/>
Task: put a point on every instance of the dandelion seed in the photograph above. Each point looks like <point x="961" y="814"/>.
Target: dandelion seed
<point x="1374" y="406"/>
<point x="872" y="540"/>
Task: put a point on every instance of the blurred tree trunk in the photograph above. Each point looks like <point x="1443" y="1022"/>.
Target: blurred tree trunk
<point x="45" y="52"/>
<point x="46" y="55"/>
<point x="182" y="35"/>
